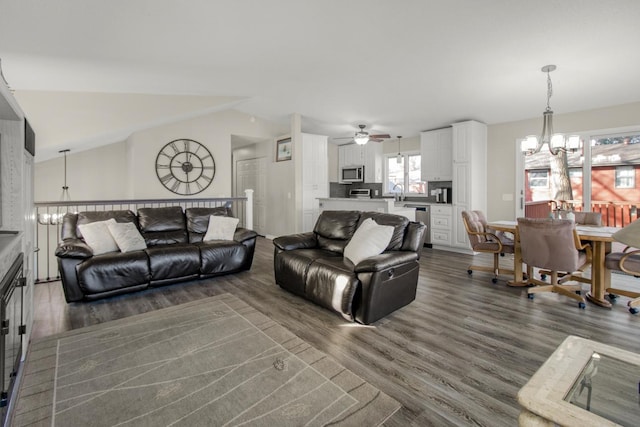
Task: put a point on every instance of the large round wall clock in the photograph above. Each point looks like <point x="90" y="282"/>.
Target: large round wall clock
<point x="185" y="167"/>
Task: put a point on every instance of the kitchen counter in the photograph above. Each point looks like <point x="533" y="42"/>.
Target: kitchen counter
<point x="386" y="205"/>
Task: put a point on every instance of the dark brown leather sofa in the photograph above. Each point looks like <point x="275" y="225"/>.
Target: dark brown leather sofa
<point x="312" y="265"/>
<point x="175" y="252"/>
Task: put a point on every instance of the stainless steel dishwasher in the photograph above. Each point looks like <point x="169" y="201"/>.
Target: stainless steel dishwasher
<point x="423" y="215"/>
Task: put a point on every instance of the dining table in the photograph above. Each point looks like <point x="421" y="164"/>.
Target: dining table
<point x="599" y="237"/>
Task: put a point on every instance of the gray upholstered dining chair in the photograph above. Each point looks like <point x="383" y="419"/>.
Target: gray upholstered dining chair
<point x="627" y="261"/>
<point x="483" y="239"/>
<point x="588" y="218"/>
<point x="581" y="218"/>
<point x="554" y="246"/>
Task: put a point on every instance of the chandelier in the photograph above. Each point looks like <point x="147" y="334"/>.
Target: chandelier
<point x="555" y="142"/>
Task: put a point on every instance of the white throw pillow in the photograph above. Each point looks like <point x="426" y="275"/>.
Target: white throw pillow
<point x="221" y="228"/>
<point x="370" y="239"/>
<point x="97" y="236"/>
<point x="127" y="236"/>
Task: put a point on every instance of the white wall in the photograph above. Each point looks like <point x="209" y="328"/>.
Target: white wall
<point x="502" y="147"/>
<point x="127" y="169"/>
<point x="86" y="120"/>
<point x="101" y="173"/>
<point x="390" y="146"/>
<point x="332" y="149"/>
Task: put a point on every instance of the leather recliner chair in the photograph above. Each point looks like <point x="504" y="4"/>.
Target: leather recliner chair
<point x="312" y="265"/>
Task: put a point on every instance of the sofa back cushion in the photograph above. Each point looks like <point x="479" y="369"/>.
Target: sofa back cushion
<point x="161" y="226"/>
<point x="398" y="222"/>
<point x="334" y="229"/>
<point x="71" y="221"/>
<point x="198" y="220"/>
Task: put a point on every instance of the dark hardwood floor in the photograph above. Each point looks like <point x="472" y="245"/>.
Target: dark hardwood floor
<point x="457" y="355"/>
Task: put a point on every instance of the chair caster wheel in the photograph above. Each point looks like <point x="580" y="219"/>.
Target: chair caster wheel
<point x="469" y="272"/>
<point x="530" y="296"/>
<point x="543" y="277"/>
<point x="579" y="292"/>
<point x="494" y="280"/>
<point x="612" y="297"/>
<point x="582" y="305"/>
<point x="633" y="310"/>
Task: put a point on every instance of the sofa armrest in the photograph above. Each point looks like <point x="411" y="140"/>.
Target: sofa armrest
<point x="296" y="241"/>
<point x="243" y="234"/>
<point x="73" y="248"/>
<point x="385" y="260"/>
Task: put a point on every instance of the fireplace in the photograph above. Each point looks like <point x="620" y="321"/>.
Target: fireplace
<point x="11" y="330"/>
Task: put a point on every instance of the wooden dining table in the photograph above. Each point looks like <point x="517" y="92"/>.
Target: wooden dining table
<point x="600" y="240"/>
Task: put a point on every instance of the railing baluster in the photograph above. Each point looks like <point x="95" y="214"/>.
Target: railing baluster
<point x="614" y="213"/>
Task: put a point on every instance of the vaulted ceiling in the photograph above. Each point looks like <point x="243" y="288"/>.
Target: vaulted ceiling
<point x="398" y="66"/>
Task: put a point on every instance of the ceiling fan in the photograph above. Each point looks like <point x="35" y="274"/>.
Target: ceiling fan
<point x="361" y="137"/>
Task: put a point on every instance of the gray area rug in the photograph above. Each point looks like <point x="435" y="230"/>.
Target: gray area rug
<point x="213" y="362"/>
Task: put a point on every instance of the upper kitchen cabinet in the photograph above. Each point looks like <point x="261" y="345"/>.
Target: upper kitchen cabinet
<point x="369" y="155"/>
<point x="436" y="148"/>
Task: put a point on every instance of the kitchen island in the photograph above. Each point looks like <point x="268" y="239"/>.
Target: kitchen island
<point x="386" y="205"/>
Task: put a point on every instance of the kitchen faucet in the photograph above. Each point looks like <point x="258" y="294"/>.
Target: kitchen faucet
<point x="398" y="197"/>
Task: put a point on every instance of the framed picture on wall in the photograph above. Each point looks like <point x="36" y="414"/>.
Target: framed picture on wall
<point x="283" y="150"/>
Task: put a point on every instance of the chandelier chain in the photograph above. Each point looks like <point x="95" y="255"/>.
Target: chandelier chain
<point x="549" y="89"/>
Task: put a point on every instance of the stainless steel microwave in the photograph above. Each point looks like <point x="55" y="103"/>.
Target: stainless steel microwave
<point x="352" y="174"/>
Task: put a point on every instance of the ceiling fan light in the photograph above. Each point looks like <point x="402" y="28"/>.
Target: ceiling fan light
<point x="361" y="139"/>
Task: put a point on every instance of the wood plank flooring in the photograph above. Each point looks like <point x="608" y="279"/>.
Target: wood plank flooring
<point x="456" y="356"/>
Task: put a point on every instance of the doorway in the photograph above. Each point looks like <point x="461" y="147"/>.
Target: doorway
<point x="252" y="174"/>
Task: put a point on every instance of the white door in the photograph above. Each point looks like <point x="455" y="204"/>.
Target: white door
<point x="252" y="174"/>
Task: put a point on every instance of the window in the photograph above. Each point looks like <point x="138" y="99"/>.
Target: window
<point x="625" y="177"/>
<point x="575" y="173"/>
<point x="539" y="179"/>
<point x="403" y="174"/>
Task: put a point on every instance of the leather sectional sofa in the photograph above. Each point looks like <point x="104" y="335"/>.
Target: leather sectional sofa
<point x="312" y="265"/>
<point x="175" y="252"/>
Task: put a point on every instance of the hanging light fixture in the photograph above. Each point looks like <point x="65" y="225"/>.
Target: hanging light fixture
<point x="556" y="143"/>
<point x="399" y="156"/>
<point x="361" y="138"/>
<point x="56" y="218"/>
<point x="65" y="188"/>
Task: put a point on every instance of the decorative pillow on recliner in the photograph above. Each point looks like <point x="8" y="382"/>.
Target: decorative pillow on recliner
<point x="98" y="237"/>
<point x="127" y="236"/>
<point x="221" y="228"/>
<point x="370" y="239"/>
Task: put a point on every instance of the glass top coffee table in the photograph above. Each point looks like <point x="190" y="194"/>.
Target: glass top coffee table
<point x="583" y="383"/>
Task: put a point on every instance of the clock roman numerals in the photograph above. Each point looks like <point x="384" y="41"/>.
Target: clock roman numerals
<point x="181" y="166"/>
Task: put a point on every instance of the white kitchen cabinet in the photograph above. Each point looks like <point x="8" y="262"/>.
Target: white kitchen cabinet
<point x="437" y="156"/>
<point x="350" y="155"/>
<point x="373" y="162"/>
<point x="315" y="177"/>
<point x="369" y="155"/>
<point x="469" y="183"/>
<point x="441" y="226"/>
